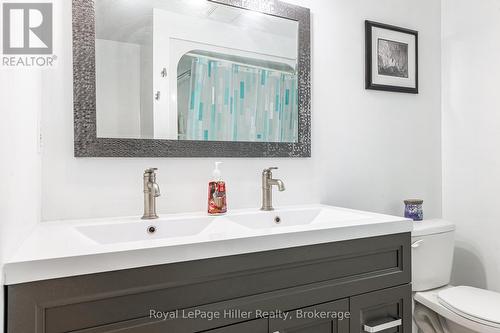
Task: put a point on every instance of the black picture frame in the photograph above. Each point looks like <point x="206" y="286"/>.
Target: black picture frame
<point x="369" y="84"/>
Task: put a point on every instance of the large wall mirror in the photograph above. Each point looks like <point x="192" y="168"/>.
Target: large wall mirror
<point x="191" y="78"/>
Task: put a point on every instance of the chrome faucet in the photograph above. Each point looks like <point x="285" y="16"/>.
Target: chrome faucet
<point x="267" y="188"/>
<point x="151" y="192"/>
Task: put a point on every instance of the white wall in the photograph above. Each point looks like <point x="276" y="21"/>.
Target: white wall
<point x="471" y="137"/>
<point x="89" y="187"/>
<point x="118" y="89"/>
<point x="19" y="160"/>
<point x="370" y="149"/>
<point x="375" y="148"/>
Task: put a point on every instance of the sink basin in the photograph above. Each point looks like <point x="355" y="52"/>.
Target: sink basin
<point x="276" y="218"/>
<point x="110" y="233"/>
<point x="293" y="217"/>
<point x="209" y="227"/>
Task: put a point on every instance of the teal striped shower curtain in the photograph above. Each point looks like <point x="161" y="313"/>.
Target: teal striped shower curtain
<point x="232" y="102"/>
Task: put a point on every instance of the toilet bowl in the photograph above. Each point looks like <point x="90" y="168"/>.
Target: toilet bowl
<point x="438" y="306"/>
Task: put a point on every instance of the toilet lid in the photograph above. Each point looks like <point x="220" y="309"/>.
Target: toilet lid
<point x="480" y="305"/>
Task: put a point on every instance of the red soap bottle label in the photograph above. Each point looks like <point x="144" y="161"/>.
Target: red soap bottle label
<point x="217" y="198"/>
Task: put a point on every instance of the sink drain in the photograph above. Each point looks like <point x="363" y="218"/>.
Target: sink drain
<point x="151" y="229"/>
<point x="277" y="220"/>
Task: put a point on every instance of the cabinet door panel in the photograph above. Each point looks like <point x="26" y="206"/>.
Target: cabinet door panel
<point x="387" y="311"/>
<point x="322" y="318"/>
<point x="188" y="326"/>
<point x="254" y="326"/>
<point x="324" y="327"/>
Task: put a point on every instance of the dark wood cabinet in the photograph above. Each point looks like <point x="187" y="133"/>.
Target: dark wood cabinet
<point x="369" y="278"/>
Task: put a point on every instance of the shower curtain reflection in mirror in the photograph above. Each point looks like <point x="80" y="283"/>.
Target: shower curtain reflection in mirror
<point x="229" y="98"/>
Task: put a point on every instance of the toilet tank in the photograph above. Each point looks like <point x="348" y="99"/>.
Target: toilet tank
<point x="433" y="242"/>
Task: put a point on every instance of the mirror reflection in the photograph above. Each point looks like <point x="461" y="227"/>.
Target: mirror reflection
<point x="195" y="70"/>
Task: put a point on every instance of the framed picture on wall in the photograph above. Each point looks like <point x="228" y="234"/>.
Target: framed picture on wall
<point x="391" y="58"/>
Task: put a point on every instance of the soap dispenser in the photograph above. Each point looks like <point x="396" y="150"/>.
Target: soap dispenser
<point x="217" y="193"/>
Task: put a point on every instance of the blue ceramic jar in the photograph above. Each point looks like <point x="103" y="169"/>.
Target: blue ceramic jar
<point x="414" y="210"/>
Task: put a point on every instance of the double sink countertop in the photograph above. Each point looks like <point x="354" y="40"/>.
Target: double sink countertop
<point x="67" y="248"/>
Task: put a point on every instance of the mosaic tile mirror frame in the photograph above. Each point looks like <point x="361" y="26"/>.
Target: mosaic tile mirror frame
<point x="226" y="103"/>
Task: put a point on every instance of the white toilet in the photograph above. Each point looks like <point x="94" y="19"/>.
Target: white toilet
<point x="439" y="307"/>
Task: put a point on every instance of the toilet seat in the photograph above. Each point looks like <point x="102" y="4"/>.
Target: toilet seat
<point x="431" y="300"/>
<point x="479" y="305"/>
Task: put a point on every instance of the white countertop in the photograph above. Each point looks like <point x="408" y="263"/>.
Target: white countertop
<point x="58" y="249"/>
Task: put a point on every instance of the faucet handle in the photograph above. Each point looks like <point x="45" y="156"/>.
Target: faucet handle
<point x="150" y="170"/>
<point x="268" y="172"/>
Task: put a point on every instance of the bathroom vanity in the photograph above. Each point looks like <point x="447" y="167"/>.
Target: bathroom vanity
<point x="328" y="269"/>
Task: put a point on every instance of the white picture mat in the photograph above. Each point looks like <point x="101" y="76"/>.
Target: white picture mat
<point x="391" y="35"/>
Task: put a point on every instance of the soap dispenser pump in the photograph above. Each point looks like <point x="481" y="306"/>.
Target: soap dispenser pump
<point x="217" y="203"/>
